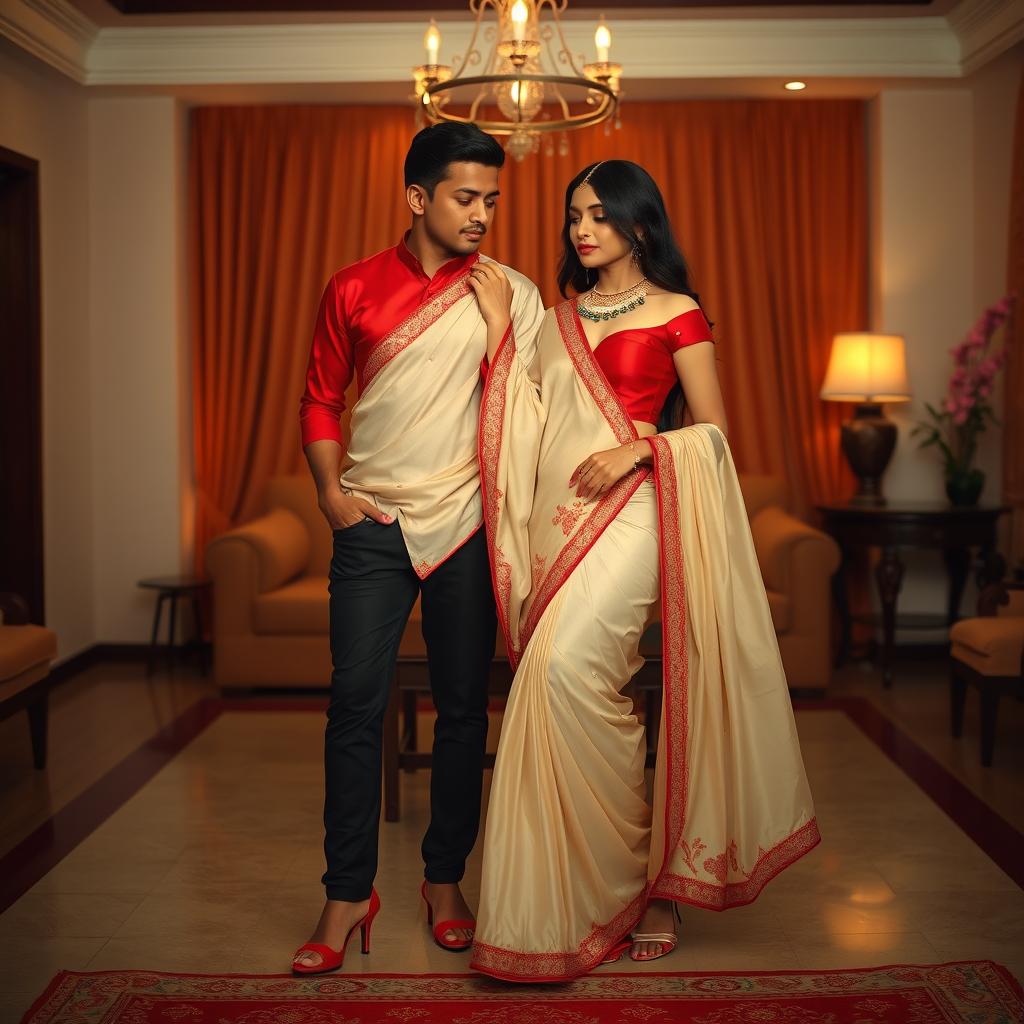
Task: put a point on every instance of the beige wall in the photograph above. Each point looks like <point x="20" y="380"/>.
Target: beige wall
<point x="43" y="116"/>
<point x="137" y="323"/>
<point x="923" y="255"/>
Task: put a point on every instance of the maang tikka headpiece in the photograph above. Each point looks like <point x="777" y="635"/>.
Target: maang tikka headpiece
<point x="590" y="174"/>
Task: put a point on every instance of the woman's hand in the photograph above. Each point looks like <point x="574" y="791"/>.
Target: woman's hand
<point x="597" y="473"/>
<point x="493" y="293"/>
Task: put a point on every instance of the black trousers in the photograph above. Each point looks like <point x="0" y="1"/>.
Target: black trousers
<point x="373" y="588"/>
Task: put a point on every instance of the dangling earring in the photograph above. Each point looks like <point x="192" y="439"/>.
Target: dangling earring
<point x="636" y="254"/>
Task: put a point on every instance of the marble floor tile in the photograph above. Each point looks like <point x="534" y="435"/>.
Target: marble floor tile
<point x="67" y="915"/>
<point x="817" y="950"/>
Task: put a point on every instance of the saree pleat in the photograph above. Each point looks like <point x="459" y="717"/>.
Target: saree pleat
<point x="573" y="850"/>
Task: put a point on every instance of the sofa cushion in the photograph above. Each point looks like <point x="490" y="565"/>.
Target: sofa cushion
<point x="284" y="547"/>
<point x="992" y="646"/>
<point x="297" y="607"/>
<point x="297" y="494"/>
<point x="23" y="647"/>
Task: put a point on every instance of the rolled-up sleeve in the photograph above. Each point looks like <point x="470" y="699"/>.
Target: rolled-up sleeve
<point x="329" y="373"/>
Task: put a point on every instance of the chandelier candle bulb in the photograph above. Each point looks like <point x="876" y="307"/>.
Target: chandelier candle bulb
<point x="432" y="41"/>
<point x="603" y="41"/>
<point x="520" y="15"/>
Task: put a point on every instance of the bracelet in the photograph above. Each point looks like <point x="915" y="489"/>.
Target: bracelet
<point x="636" y="460"/>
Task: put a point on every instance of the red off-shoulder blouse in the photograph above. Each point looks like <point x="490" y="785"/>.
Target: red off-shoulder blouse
<point x="638" y="361"/>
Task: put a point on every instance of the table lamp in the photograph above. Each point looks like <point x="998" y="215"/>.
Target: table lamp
<point x="868" y="369"/>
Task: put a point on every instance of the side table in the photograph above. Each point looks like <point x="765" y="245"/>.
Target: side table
<point x="952" y="529"/>
<point x="173" y="588"/>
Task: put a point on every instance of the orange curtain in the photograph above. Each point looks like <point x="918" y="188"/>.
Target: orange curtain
<point x="1013" y="390"/>
<point x="768" y="199"/>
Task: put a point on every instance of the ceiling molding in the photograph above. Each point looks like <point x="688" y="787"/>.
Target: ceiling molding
<point x="650" y="48"/>
<point x="54" y="31"/>
<point x="985" y="29"/>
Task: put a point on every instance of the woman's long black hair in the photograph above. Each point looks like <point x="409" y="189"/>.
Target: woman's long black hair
<point x="634" y="206"/>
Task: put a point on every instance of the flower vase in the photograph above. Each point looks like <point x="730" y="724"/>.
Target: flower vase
<point x="964" y="486"/>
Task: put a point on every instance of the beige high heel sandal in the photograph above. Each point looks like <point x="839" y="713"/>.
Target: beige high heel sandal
<point x="667" y="940"/>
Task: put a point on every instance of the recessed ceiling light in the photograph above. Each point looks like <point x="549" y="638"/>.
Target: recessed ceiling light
<point x="796" y="86"/>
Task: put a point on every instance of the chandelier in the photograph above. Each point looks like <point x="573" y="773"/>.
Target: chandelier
<point x="529" y="85"/>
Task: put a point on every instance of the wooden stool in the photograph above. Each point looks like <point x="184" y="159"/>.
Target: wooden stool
<point x="988" y="652"/>
<point x="171" y="588"/>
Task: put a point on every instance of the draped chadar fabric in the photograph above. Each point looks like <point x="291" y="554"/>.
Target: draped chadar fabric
<point x="572" y="849"/>
<point x="413" y="445"/>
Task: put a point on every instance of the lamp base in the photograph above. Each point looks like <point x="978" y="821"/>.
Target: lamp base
<point x="868" y="441"/>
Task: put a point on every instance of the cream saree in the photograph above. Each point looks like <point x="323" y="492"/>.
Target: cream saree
<point x="572" y="849"/>
<point x="413" y="445"/>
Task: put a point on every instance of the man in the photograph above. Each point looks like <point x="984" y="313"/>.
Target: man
<point x="415" y="324"/>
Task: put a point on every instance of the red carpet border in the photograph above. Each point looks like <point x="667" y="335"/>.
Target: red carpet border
<point x="972" y="992"/>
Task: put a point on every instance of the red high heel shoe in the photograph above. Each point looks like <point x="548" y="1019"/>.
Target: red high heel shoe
<point x="438" y="930"/>
<point x="332" y="959"/>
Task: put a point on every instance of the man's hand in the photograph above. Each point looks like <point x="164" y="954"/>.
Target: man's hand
<point x="493" y="293"/>
<point x="344" y="510"/>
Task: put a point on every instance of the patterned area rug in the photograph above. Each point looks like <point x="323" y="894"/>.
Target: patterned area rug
<point x="969" y="992"/>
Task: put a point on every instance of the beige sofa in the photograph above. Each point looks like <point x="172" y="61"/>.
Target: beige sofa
<point x="270" y="590"/>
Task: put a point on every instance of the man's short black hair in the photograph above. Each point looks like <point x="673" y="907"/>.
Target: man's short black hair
<point x="448" y="142"/>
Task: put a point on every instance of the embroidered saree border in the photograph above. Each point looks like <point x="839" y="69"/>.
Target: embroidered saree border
<point x="512" y="965"/>
<point x="674" y="650"/>
<point x="492" y="420"/>
<point x="737" y="894"/>
<point x="399" y="338"/>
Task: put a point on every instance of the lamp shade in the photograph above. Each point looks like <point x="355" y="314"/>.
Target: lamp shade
<point x="866" y="367"/>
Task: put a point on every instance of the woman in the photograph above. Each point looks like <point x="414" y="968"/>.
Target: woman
<point x="596" y="523"/>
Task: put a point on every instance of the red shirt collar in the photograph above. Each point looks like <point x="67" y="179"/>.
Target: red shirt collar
<point x="446" y="272"/>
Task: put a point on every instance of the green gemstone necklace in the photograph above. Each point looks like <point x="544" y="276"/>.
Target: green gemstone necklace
<point x="596" y="306"/>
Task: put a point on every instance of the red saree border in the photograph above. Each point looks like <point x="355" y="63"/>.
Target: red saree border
<point x="492" y="424"/>
<point x="738" y="894"/>
<point x="589" y="369"/>
<point x="512" y="965"/>
<point x="674" y="650"/>
<point x="610" y="406"/>
<point x="399" y="338"/>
